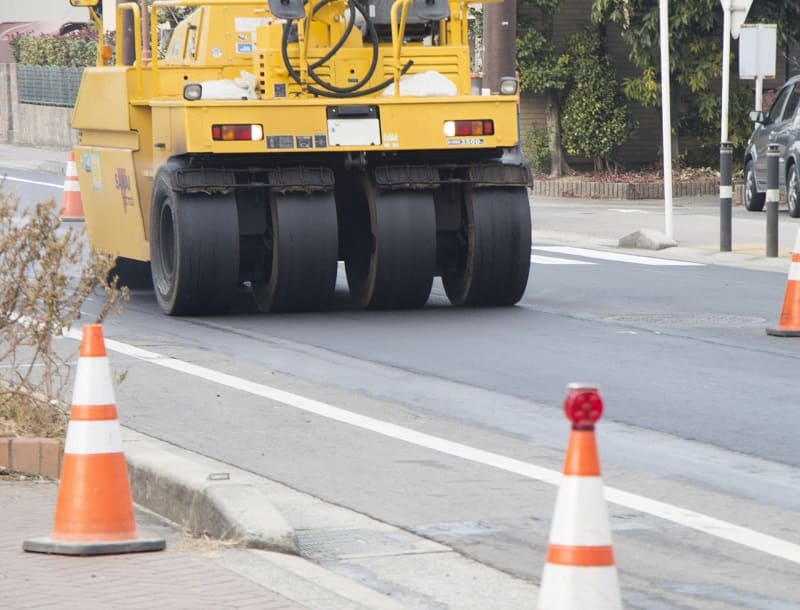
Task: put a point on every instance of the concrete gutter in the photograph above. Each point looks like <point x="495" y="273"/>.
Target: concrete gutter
<point x="377" y="567"/>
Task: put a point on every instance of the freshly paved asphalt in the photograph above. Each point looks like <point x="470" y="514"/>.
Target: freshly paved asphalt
<point x="206" y="573"/>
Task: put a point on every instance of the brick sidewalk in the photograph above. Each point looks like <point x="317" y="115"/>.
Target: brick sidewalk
<point x="184" y="576"/>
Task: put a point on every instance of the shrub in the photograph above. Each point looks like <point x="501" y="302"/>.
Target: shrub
<point x="45" y="278"/>
<point x="76" y="49"/>
<point x="596" y="117"/>
<point x="535" y="149"/>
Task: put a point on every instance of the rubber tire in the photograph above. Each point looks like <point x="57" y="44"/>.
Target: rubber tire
<point x="390" y="258"/>
<point x="302" y="261"/>
<point x="793" y="191"/>
<point x="194" y="249"/>
<point x="131" y="273"/>
<point x="753" y="200"/>
<point x="495" y="262"/>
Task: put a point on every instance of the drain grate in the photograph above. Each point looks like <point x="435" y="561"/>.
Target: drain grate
<point x="331" y="544"/>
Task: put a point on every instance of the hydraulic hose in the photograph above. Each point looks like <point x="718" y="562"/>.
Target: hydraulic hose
<point x="329" y="89"/>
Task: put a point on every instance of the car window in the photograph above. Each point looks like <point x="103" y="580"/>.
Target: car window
<point x="791" y="104"/>
<point x="774" y="113"/>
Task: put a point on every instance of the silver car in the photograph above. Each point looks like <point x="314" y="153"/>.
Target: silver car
<point x="779" y="125"/>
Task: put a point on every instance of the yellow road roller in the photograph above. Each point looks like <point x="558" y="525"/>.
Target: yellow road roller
<point x="262" y="142"/>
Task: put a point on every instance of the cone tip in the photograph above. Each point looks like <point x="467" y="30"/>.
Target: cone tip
<point x="92" y="343"/>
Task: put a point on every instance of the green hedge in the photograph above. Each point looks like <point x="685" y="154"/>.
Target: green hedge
<point x="76" y="49"/>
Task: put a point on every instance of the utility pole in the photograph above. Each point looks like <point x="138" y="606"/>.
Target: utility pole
<point x="499" y="42"/>
<point x="126" y="31"/>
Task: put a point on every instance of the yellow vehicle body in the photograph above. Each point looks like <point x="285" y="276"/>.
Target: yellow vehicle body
<point x="311" y="126"/>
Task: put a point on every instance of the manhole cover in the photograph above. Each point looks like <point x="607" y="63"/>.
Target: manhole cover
<point x="687" y="319"/>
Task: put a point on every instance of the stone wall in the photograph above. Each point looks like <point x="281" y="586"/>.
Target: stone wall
<point x="31" y="124"/>
<point x="585" y="189"/>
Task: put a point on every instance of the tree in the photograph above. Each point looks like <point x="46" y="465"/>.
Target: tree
<point x="541" y="70"/>
<point x="596" y="116"/>
<point x="695" y="30"/>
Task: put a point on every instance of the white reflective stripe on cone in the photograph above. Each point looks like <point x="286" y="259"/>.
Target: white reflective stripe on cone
<point x="72" y="186"/>
<point x="580" y="517"/>
<point x="794" y="272"/>
<point x="91" y="437"/>
<point x="93" y="382"/>
<point x="575" y="588"/>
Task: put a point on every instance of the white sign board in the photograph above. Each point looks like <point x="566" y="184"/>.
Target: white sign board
<point x="757" y="50"/>
<point x="737" y="11"/>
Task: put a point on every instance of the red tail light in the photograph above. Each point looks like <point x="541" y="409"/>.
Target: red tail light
<point x="237" y="132"/>
<point x="483" y="127"/>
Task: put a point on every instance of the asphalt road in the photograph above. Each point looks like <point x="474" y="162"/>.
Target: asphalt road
<point x="699" y="416"/>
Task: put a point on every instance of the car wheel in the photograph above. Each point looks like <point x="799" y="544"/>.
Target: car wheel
<point x="793" y="192"/>
<point x="753" y="200"/>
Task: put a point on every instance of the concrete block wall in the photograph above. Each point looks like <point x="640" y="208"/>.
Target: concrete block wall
<point x="31" y="124"/>
<point x="620" y="190"/>
<point x="32" y="456"/>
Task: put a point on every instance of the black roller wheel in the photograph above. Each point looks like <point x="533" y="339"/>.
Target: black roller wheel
<point x="131" y="273"/>
<point x="793" y="192"/>
<point x="194" y="249"/>
<point x="495" y="249"/>
<point x="753" y="200"/>
<point x="298" y="269"/>
<point x="388" y="245"/>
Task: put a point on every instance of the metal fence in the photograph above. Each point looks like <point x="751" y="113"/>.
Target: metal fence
<point x="48" y="85"/>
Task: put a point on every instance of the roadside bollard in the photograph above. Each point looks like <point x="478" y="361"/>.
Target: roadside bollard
<point x="725" y="195"/>
<point x="773" y="197"/>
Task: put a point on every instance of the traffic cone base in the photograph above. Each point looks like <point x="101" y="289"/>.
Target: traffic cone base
<point x="61" y="547"/>
<point x="789" y="322"/>
<point x="94" y="510"/>
<point x="71" y="202"/>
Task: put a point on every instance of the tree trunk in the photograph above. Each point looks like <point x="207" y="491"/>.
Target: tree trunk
<point x="558" y="164"/>
<point x="675" y="94"/>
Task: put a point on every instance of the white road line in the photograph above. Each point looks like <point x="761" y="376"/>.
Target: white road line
<point x="688" y="518"/>
<point x="614" y="256"/>
<point x="628" y="211"/>
<point x="10" y="179"/>
<point x="538" y="259"/>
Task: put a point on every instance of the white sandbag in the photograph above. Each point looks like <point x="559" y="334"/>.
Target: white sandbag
<point x="424" y="84"/>
<point x="240" y="88"/>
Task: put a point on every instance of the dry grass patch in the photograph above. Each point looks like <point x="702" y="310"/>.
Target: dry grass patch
<point x="46" y="276"/>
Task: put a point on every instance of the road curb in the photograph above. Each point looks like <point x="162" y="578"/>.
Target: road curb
<point x="216" y="504"/>
<point x="742" y="260"/>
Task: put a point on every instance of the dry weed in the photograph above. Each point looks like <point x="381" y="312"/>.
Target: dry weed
<point x="45" y="278"/>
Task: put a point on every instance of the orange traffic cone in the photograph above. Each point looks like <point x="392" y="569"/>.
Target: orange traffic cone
<point x="580" y="571"/>
<point x="71" y="202"/>
<point x="789" y="323"/>
<point x="94" y="511"/>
